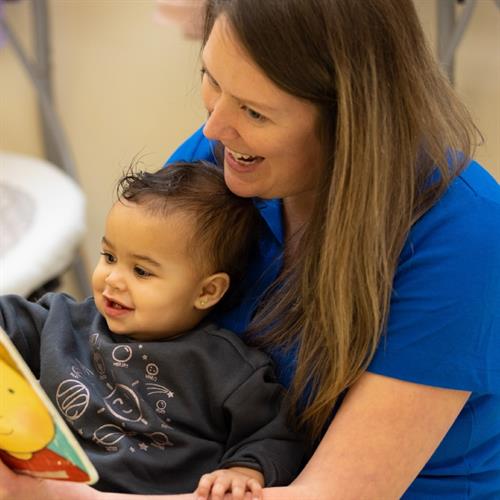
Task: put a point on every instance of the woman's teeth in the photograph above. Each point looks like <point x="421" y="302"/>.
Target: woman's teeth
<point x="242" y="158"/>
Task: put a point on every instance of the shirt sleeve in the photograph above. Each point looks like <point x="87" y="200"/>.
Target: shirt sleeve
<point x="259" y="436"/>
<point x="196" y="147"/>
<point x="23" y="322"/>
<point x="444" y="324"/>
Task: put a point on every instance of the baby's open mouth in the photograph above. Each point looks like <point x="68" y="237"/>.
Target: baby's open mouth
<point x="115" y="305"/>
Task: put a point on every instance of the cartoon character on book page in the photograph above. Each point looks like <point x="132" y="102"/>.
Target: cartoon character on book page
<point x="29" y="440"/>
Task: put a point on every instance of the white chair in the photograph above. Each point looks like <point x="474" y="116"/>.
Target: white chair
<point x="42" y="222"/>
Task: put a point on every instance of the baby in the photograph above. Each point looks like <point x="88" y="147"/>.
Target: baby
<point x="157" y="395"/>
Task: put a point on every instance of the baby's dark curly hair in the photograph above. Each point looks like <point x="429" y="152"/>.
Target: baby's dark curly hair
<point x="225" y="225"/>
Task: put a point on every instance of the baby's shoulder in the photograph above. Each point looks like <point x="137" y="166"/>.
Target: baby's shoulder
<point x="229" y="342"/>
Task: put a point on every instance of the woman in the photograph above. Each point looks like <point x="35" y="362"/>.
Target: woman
<point x="383" y="253"/>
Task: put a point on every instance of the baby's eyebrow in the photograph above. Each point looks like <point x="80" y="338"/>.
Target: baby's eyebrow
<point x="136" y="256"/>
<point x="106" y="242"/>
<point x="146" y="259"/>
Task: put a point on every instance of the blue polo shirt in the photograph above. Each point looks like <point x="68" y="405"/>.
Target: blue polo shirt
<point x="443" y="327"/>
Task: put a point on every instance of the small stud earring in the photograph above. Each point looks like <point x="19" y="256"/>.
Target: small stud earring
<point x="203" y="302"/>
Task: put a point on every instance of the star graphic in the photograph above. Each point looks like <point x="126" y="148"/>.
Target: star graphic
<point x="144" y="357"/>
<point x="170" y="394"/>
<point x="143" y="446"/>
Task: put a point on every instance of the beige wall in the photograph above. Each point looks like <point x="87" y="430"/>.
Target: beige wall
<point x="126" y="85"/>
<point x="477" y="72"/>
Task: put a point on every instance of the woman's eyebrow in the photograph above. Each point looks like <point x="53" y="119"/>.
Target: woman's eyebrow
<point x="252" y="103"/>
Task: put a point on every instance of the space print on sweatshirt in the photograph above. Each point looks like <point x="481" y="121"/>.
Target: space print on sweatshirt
<point x="122" y="402"/>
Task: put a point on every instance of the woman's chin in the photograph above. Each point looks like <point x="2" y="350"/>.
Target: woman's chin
<point x="240" y="187"/>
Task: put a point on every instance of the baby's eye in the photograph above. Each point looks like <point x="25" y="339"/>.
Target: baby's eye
<point x="109" y="258"/>
<point x="254" y="115"/>
<point x="142" y="273"/>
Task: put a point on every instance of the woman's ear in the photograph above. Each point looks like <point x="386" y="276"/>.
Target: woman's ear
<point x="212" y="289"/>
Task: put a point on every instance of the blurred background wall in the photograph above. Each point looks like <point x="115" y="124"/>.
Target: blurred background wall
<point x="125" y="84"/>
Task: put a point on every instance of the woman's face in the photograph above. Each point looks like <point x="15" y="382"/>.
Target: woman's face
<point x="269" y="136"/>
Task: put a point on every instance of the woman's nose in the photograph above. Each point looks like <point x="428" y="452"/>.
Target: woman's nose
<point x="221" y="124"/>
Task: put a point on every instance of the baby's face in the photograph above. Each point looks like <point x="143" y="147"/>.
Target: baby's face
<point x="146" y="281"/>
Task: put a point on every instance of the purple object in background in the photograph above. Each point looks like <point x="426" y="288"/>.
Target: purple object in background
<point x="188" y="14"/>
<point x="2" y="36"/>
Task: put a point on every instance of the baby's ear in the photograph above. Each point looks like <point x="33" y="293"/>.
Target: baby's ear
<point x="212" y="289"/>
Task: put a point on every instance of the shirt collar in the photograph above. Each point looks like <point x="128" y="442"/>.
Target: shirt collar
<point x="271" y="212"/>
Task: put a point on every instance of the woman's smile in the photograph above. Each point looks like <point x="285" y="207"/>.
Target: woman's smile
<point x="241" y="163"/>
<point x="242" y="157"/>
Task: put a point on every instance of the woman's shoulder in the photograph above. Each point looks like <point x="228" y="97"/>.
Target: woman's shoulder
<point x="444" y="323"/>
<point x="467" y="216"/>
<point x="479" y="182"/>
<point x="455" y="245"/>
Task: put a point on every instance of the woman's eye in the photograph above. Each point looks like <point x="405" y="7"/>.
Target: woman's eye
<point x="142" y="273"/>
<point x="211" y="81"/>
<point x="254" y="115"/>
<point x="109" y="258"/>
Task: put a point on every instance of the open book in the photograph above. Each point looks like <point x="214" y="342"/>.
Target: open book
<point x="34" y="439"/>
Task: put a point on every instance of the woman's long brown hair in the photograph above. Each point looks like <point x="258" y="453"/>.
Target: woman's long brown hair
<point x="394" y="136"/>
